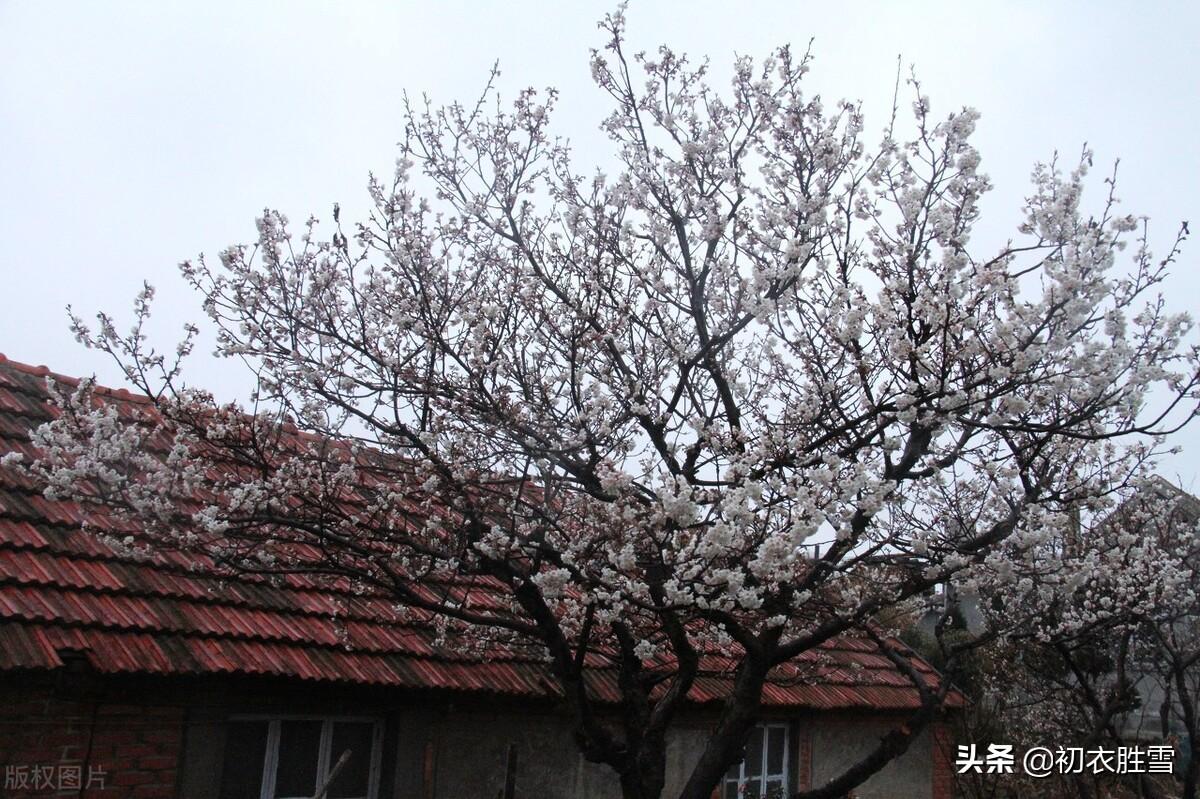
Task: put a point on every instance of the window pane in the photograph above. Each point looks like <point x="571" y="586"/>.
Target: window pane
<point x="776" y="738"/>
<point x="754" y="752"/>
<point x="245" y="753"/>
<point x="299" y="748"/>
<point x="731" y="791"/>
<point x="353" y="778"/>
<point x="775" y="789"/>
<point x="753" y="790"/>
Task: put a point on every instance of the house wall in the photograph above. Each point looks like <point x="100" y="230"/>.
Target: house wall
<point x="838" y="742"/>
<point x="157" y="740"/>
<point x="463" y="752"/>
<point x="943" y="779"/>
<point x="115" y="750"/>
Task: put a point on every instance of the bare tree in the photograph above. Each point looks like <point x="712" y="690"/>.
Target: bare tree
<point x="748" y="391"/>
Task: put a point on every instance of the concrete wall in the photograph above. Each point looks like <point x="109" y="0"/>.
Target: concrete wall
<point x="469" y="748"/>
<point x="472" y="751"/>
<point x="839" y="742"/>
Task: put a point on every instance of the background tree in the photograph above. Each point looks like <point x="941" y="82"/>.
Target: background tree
<point x="1096" y="650"/>
<point x="748" y="391"/>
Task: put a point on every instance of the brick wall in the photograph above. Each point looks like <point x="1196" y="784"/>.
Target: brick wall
<point x="803" y="758"/>
<point x="943" y="761"/>
<point x="54" y="746"/>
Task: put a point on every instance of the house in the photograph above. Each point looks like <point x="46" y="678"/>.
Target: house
<point x="146" y="677"/>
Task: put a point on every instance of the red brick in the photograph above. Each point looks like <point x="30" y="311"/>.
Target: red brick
<point x="804" y="762"/>
<point x="166" y="735"/>
<point x="61" y="708"/>
<point x="114" y="737"/>
<point x="158" y="762"/>
<point x="61" y="737"/>
<point x="115" y="765"/>
<point x="159" y="791"/>
<point x="123" y="777"/>
<point x="101" y="754"/>
<point x="105" y="793"/>
<point x="135" y="750"/>
<point x="943" y="772"/>
<point x="28" y="707"/>
<point x="137" y="755"/>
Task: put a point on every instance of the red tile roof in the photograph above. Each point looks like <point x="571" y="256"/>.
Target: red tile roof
<point x="62" y="588"/>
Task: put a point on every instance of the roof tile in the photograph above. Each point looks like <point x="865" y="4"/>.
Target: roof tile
<point x="63" y="588"/>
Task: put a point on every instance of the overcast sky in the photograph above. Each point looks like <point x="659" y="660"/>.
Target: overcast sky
<point x="135" y="135"/>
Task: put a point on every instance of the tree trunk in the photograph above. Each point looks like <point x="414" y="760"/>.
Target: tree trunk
<point x="891" y="746"/>
<point x="1191" y="777"/>
<point x="637" y="783"/>
<point x="725" y="746"/>
<point x="1187" y="707"/>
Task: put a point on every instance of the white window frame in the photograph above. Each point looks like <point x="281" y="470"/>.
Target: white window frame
<point x="764" y="775"/>
<point x="325" y="758"/>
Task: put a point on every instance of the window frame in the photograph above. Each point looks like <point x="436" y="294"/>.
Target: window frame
<point x="325" y="762"/>
<point x="764" y="775"/>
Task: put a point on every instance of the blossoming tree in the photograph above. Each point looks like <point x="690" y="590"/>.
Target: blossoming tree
<point x="1099" y="647"/>
<point x="746" y="392"/>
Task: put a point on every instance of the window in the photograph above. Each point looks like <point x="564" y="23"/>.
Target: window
<point x="291" y="757"/>
<point x="763" y="774"/>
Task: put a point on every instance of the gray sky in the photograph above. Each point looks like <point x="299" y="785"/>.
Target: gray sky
<point x="135" y="135"/>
